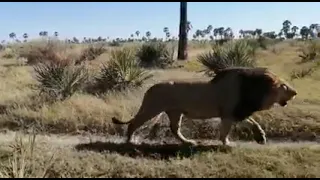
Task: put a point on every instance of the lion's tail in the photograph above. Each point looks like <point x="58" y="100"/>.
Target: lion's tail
<point x="117" y="121"/>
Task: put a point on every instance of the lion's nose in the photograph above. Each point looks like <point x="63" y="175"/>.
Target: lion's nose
<point x="294" y="93"/>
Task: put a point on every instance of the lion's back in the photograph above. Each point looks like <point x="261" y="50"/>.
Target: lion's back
<point x="179" y="90"/>
<point x="192" y="95"/>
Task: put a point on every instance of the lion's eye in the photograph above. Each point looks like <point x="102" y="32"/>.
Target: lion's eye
<point x="284" y="86"/>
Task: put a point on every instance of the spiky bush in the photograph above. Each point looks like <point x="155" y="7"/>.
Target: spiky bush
<point x="91" y="52"/>
<point x="9" y="53"/>
<point x="37" y="52"/>
<point x="122" y="71"/>
<point x="233" y="53"/>
<point x="114" y="43"/>
<point x="310" y="52"/>
<point x="305" y="71"/>
<point x="301" y="73"/>
<point x="155" y="54"/>
<point x="21" y="160"/>
<point x="2" y="47"/>
<point x="59" y="81"/>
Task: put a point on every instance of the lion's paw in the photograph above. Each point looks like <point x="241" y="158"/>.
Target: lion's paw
<point x="192" y="143"/>
<point x="261" y="139"/>
<point x="230" y="144"/>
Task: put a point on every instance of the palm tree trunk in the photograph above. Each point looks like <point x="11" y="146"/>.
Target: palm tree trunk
<point x="183" y="35"/>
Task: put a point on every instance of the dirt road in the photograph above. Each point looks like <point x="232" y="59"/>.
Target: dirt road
<point x="73" y="140"/>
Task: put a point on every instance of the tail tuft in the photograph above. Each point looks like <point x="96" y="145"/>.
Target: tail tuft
<point x="117" y="121"/>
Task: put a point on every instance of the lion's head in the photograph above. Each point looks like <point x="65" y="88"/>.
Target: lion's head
<point x="282" y="93"/>
<point x="259" y="89"/>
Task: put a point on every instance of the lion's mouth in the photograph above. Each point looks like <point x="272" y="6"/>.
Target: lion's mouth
<point x="283" y="103"/>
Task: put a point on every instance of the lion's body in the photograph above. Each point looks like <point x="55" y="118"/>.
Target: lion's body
<point x="193" y="99"/>
<point x="233" y="95"/>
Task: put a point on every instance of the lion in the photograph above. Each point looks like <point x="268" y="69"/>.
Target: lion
<point x="233" y="95"/>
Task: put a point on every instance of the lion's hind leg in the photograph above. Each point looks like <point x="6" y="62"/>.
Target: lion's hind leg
<point x="140" y="118"/>
<point x="175" y="125"/>
<point x="225" y="128"/>
<point x="259" y="134"/>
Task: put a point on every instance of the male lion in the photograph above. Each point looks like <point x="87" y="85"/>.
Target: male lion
<point x="234" y="94"/>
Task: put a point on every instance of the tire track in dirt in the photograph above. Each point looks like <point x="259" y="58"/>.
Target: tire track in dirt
<point x="73" y="140"/>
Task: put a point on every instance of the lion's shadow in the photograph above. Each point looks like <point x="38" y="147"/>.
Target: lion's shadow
<point x="157" y="151"/>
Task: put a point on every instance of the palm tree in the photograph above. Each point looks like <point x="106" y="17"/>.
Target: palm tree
<point x="271" y="34"/>
<point x="194" y="36"/>
<point x="286" y="27"/>
<point x="189" y="26"/>
<point x="215" y="32"/>
<point x="137" y="33"/>
<point x="209" y="28"/>
<point x="56" y="34"/>
<point x="25" y="36"/>
<point x="203" y="33"/>
<point x="241" y="33"/>
<point x="75" y="40"/>
<point x="183" y="32"/>
<point x="304" y="32"/>
<point x="312" y="27"/>
<point x="280" y="33"/>
<point x="198" y="33"/>
<point x="168" y="35"/>
<point x="43" y="33"/>
<point x="166" y="31"/>
<point x="221" y="31"/>
<point x="294" y="29"/>
<point x="12" y="35"/>
<point x="228" y="34"/>
<point x="148" y="34"/>
<point x="207" y="31"/>
<point x="258" y="32"/>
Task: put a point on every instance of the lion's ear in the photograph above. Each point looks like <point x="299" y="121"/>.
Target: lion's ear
<point x="284" y="87"/>
<point x="275" y="81"/>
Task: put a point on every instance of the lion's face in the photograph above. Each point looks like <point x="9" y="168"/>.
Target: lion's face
<point x="280" y="92"/>
<point x="284" y="93"/>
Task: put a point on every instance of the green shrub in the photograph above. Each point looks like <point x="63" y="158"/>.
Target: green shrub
<point x="310" y="52"/>
<point x="2" y="47"/>
<point x="59" y="81"/>
<point x="49" y="51"/>
<point x="114" y="43"/>
<point x="9" y="53"/>
<point x="122" y="71"/>
<point x="301" y="73"/>
<point x="233" y="53"/>
<point x="155" y="54"/>
<point x="304" y="72"/>
<point x="261" y="42"/>
<point x="91" y="53"/>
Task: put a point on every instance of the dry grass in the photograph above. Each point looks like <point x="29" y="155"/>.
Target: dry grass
<point x="21" y="107"/>
<point x="48" y="158"/>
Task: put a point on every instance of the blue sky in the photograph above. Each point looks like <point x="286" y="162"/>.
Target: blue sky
<point x="120" y="19"/>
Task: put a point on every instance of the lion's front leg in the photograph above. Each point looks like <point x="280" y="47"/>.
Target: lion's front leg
<point x="175" y="125"/>
<point x="225" y="128"/>
<point x="259" y="134"/>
